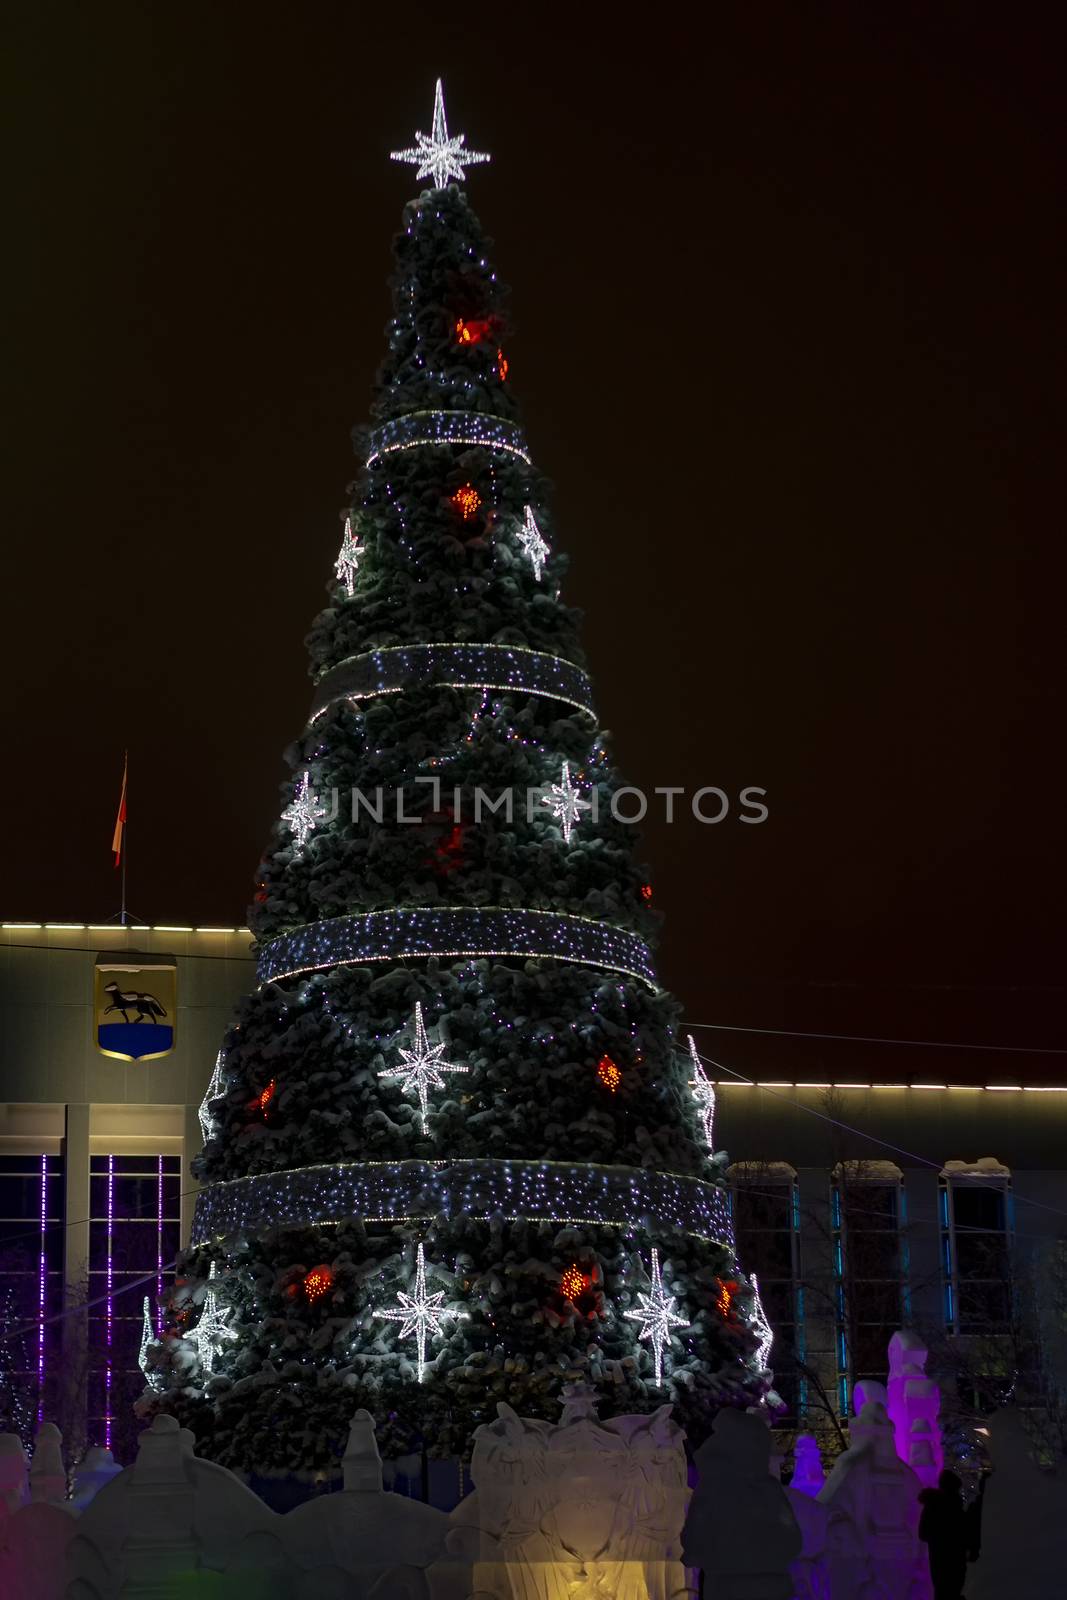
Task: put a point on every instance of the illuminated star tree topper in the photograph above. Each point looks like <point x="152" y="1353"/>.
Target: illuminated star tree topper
<point x="347" y="564"/>
<point x="703" y="1093"/>
<point x="419" y="1313"/>
<point x="565" y="803"/>
<point x="436" y="155"/>
<point x="212" y="1326"/>
<point x="657" y="1315"/>
<point x="305" y="813"/>
<point x="421" y="1069"/>
<point x="532" y="543"/>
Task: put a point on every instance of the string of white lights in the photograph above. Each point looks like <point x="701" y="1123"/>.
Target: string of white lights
<point x="398" y="1191"/>
<point x="463" y="429"/>
<point x="455" y="666"/>
<point x="453" y="931"/>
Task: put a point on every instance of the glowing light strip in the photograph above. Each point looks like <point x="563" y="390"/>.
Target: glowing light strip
<point x="451" y="665"/>
<point x="463" y="428"/>
<point x="392" y="1191"/>
<point x="159" y="1246"/>
<point x="110" y="1315"/>
<point x="454" y="931"/>
<point x="974" y="1088"/>
<point x="42" y="1283"/>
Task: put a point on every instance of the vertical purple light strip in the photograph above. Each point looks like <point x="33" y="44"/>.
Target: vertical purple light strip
<point x="42" y="1284"/>
<point x="159" y="1249"/>
<point x="110" y="1302"/>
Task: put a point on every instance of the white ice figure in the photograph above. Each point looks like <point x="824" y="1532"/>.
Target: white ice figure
<point x="14" y="1473"/>
<point x="96" y="1468"/>
<point x="1024" y="1520"/>
<point x="809" y="1572"/>
<point x="873" y="1503"/>
<point x="577" y="1508"/>
<point x="740" y="1530"/>
<point x="808" y="1474"/>
<point x="150" y="1529"/>
<point x="867" y="1390"/>
<point x="914" y="1401"/>
<point x="36" y="1525"/>
<point x="384" y="1539"/>
<point x="48" y="1475"/>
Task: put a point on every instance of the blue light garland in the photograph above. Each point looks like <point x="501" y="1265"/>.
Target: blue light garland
<point x="466" y="429"/>
<point x="393" y="1191"/>
<point x="455" y="666"/>
<point x="453" y="931"/>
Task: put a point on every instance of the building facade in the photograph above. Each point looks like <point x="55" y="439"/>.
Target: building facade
<point x="868" y="1207"/>
<point x="95" y="1192"/>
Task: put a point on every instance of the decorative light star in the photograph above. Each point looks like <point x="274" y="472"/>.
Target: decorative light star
<point x="212" y="1092"/>
<point x="532" y="543"/>
<point x="348" y="559"/>
<point x="565" y="803"/>
<point x="305" y="813"/>
<point x="419" y="1313"/>
<point x="152" y="1376"/>
<point x="211" y="1327"/>
<point x="421" y="1069"/>
<point x="436" y="155"/>
<point x="761" y="1327"/>
<point x="703" y="1093"/>
<point x="658" y="1315"/>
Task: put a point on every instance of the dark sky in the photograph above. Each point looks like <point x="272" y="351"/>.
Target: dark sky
<point x="789" y="292"/>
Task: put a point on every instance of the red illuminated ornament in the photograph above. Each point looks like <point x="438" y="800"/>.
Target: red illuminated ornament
<point x="262" y="1101"/>
<point x="317" y="1283"/>
<point x="466" y="501"/>
<point x="447" y="844"/>
<point x="474" y="330"/>
<point x="608" y="1073"/>
<point x="448" y="855"/>
<point x="646" y="892"/>
<point x="724" y="1300"/>
<point x="573" y="1283"/>
<point x="502" y="366"/>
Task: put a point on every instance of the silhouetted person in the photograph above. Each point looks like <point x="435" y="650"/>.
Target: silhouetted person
<point x="946" y="1529"/>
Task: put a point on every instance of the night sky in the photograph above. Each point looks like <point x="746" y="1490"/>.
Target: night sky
<point x="789" y="296"/>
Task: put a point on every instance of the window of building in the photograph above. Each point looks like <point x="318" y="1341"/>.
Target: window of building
<point x="867" y="1212"/>
<point x="766" y="1213"/>
<point x="31" y="1284"/>
<point x="134" y="1231"/>
<point x="976" y="1229"/>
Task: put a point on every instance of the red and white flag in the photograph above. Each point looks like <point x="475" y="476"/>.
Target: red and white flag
<point x="120" y="820"/>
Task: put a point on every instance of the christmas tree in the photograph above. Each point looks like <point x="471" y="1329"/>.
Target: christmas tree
<point x="454" y="1150"/>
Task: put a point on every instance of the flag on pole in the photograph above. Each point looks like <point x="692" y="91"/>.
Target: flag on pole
<point x="120" y="820"/>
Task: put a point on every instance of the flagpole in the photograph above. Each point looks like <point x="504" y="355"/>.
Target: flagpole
<point x="118" y="841"/>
